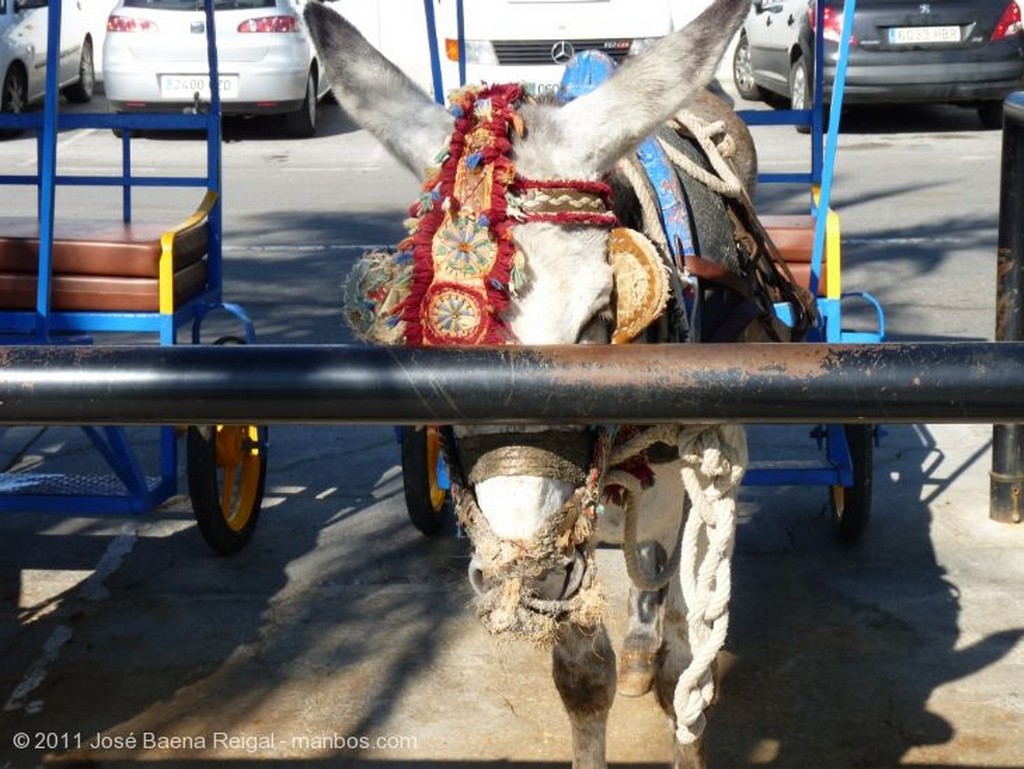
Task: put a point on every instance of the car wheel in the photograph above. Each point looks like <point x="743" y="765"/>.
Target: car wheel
<point x="743" y="72"/>
<point x="991" y="115"/>
<point x="82" y="90"/>
<point x="12" y="98"/>
<point x="799" y="89"/>
<point x="301" y="124"/>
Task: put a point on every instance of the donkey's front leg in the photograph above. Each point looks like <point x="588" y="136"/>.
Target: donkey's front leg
<point x="583" y="666"/>
<point x="639" y="656"/>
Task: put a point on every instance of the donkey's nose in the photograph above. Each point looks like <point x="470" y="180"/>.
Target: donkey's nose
<point x="558" y="584"/>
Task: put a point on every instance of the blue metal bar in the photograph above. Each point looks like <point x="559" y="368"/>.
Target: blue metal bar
<point x="818" y="95"/>
<point x="126" y="174"/>
<point x="435" y="55"/>
<point x="111" y="181"/>
<point x="831" y="145"/>
<point x="460" y="23"/>
<point x="776" y="116"/>
<point x="48" y="170"/>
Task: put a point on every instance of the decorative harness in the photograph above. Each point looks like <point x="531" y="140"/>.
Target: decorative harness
<point x="465" y="263"/>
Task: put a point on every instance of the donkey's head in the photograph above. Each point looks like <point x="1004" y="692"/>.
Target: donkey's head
<point x="520" y="181"/>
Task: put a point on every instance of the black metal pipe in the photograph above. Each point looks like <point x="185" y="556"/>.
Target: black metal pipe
<point x="1007" y="476"/>
<point x="796" y="383"/>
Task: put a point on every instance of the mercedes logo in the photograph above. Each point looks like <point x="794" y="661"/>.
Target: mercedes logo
<point x="562" y="51"/>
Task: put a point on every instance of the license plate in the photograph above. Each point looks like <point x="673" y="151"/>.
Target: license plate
<point x="913" y="35"/>
<point x="184" y="87"/>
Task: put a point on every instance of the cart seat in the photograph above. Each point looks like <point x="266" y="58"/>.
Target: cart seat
<point x="793" y="235"/>
<point x="103" y="266"/>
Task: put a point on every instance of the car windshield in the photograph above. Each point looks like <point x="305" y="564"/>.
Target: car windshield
<point x="197" y="5"/>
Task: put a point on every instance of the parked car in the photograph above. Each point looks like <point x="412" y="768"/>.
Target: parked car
<point x="965" y="52"/>
<point x="23" y="46"/>
<point x="155" y="59"/>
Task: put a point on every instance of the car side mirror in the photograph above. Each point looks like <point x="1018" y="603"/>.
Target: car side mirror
<point x="26" y="5"/>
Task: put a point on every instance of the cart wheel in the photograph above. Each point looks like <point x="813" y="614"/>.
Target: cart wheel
<point x="227" y="470"/>
<point x="429" y="505"/>
<point x="851" y="505"/>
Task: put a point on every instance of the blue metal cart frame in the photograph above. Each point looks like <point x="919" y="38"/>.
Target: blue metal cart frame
<point x="130" y="489"/>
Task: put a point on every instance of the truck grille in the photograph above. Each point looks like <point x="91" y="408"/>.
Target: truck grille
<point x="540" y="51"/>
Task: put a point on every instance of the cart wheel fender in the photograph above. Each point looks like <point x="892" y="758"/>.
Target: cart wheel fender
<point x="227" y="469"/>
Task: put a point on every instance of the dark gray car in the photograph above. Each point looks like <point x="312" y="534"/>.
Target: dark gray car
<point x="966" y="52"/>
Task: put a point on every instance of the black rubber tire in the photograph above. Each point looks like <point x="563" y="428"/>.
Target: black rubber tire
<point x="301" y="124"/>
<point x="851" y="505"/>
<point x="742" y="74"/>
<point x="226" y="531"/>
<point x="12" y="98"/>
<point x="219" y="454"/>
<point x="430" y="508"/>
<point x="82" y="90"/>
<point x="800" y="96"/>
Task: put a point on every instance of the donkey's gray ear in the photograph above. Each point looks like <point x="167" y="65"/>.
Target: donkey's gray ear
<point x="612" y="120"/>
<point x="375" y="93"/>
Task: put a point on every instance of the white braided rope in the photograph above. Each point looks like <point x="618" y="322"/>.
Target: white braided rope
<point x="722" y="180"/>
<point x="713" y="461"/>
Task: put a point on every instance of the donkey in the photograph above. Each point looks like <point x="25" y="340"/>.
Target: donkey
<point x="515" y="223"/>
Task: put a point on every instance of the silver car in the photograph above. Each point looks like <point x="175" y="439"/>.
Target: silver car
<point x="155" y="59"/>
<point x="23" y="44"/>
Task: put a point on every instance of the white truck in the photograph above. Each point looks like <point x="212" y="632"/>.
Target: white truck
<point x="513" y="40"/>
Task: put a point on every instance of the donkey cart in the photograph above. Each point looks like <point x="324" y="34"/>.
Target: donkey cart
<point x="65" y="281"/>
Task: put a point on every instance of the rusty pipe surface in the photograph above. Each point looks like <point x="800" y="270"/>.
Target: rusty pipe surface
<point x="782" y="383"/>
<point x="1007" y="475"/>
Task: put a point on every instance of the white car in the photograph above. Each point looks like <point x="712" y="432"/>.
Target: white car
<point x="23" y="46"/>
<point x="155" y="59"/>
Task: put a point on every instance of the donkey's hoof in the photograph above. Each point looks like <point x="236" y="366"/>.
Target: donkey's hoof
<point x="636" y="673"/>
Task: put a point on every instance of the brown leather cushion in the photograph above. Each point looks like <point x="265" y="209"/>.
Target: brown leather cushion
<point x="793" y="235"/>
<point x="84" y="247"/>
<point x="100" y="293"/>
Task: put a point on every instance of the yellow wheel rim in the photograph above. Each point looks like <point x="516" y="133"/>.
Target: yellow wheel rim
<point x="239" y="462"/>
<point x="437" y="494"/>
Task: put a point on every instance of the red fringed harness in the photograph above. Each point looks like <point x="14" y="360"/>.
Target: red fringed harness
<point x="465" y="263"/>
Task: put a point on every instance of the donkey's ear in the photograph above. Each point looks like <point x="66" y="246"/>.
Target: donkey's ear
<point x="612" y="120"/>
<point x="375" y="93"/>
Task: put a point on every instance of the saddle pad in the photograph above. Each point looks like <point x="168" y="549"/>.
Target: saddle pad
<point x="85" y="247"/>
<point x="98" y="293"/>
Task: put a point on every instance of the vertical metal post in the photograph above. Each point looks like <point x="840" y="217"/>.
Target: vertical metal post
<point x="435" y="53"/>
<point x="1007" y="476"/>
